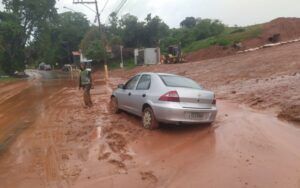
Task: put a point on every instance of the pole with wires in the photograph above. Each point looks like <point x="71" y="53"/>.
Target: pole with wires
<point x="102" y="33"/>
<point x="116" y="11"/>
<point x="122" y="62"/>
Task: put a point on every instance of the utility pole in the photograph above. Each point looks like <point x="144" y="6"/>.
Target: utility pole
<point x="102" y="33"/>
<point x="98" y="16"/>
<point x="122" y="63"/>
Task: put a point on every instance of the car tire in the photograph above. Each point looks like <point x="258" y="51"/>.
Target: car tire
<point x="149" y="120"/>
<point x="209" y="124"/>
<point x="114" y="105"/>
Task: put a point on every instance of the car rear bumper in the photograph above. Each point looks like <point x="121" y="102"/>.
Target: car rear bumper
<point x="173" y="113"/>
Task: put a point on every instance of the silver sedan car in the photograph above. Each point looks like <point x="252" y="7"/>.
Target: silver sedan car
<point x="166" y="98"/>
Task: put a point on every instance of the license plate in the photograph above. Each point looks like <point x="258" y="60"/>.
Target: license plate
<point x="196" y="115"/>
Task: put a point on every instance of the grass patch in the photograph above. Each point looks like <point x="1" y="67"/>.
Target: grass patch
<point x="8" y="79"/>
<point x="128" y="64"/>
<point x="227" y="38"/>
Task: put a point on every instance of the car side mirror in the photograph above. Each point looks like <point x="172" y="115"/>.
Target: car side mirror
<point x="121" y="86"/>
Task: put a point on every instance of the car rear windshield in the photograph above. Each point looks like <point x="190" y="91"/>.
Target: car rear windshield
<point x="179" y="81"/>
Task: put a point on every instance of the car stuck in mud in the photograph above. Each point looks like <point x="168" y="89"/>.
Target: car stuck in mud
<point x="116" y="94"/>
<point x="166" y="98"/>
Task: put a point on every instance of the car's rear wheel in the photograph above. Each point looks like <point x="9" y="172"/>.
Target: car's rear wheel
<point x="149" y="120"/>
<point x="114" y="105"/>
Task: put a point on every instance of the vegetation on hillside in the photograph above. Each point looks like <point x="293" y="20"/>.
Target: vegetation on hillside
<point x="32" y="32"/>
<point x="227" y="38"/>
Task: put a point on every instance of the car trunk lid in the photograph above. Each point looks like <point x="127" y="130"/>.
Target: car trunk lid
<point x="195" y="98"/>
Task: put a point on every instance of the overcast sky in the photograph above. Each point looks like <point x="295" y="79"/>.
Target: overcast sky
<point x="231" y="12"/>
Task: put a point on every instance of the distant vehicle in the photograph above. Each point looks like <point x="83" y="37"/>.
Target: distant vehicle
<point x="18" y="74"/>
<point x="48" y="68"/>
<point x="168" y="98"/>
<point x="44" y="66"/>
<point x="174" y="55"/>
<point x="67" y="68"/>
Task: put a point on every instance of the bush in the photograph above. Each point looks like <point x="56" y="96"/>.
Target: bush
<point x="128" y="64"/>
<point x="223" y="42"/>
<point x="238" y="30"/>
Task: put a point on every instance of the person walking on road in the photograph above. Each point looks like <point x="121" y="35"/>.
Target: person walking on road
<point x="85" y="82"/>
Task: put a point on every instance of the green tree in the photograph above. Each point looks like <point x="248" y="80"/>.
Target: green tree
<point x="114" y="27"/>
<point x="207" y="28"/>
<point x="96" y="51"/>
<point x="132" y="31"/>
<point x="93" y="34"/>
<point x="72" y="28"/>
<point x="188" y="22"/>
<point x="31" y="14"/>
<point x="154" y="30"/>
<point x="114" y="30"/>
<point x="92" y="46"/>
<point x="57" y="40"/>
<point x="24" y="20"/>
<point x="11" y="35"/>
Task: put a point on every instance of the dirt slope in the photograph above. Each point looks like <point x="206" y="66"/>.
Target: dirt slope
<point x="265" y="79"/>
<point x="210" y="53"/>
<point x="288" y="28"/>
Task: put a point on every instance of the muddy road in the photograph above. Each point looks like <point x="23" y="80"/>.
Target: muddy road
<point x="22" y="102"/>
<point x="48" y="139"/>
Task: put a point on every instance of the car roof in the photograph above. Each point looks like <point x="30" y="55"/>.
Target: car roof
<point x="155" y="73"/>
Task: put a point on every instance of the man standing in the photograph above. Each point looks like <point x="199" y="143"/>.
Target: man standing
<point x="85" y="82"/>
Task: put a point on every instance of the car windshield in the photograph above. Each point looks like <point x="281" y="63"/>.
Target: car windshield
<point x="179" y="81"/>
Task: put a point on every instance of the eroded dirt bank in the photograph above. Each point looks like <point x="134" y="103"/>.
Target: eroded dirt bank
<point x="286" y="28"/>
<point x="267" y="79"/>
<point x="66" y="145"/>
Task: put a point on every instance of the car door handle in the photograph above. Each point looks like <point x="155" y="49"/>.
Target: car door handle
<point x="144" y="95"/>
<point x="129" y="93"/>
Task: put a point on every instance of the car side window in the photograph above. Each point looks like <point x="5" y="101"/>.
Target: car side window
<point x="132" y="82"/>
<point x="144" y="83"/>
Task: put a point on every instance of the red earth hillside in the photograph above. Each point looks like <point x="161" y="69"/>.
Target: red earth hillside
<point x="285" y="29"/>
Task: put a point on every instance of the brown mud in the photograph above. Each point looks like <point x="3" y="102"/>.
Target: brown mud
<point x="63" y="144"/>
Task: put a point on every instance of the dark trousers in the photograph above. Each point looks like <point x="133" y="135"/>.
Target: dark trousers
<point x="87" y="95"/>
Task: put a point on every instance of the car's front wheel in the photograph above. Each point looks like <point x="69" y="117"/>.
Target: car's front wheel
<point x="114" y="107"/>
<point x="149" y="120"/>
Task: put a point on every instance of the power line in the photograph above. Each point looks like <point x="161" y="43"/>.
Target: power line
<point x="117" y="10"/>
<point x="115" y="5"/>
<point x="69" y="9"/>
<point x="104" y="6"/>
<point x="89" y="8"/>
<point x="103" y="37"/>
<point x="92" y="11"/>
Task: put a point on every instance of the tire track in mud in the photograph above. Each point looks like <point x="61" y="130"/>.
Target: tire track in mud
<point x="116" y="134"/>
<point x="66" y="137"/>
<point x="49" y="133"/>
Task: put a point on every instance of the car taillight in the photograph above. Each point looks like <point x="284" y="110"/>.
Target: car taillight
<point x="171" y="96"/>
<point x="215" y="100"/>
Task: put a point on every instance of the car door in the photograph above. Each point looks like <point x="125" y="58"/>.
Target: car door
<point x="139" y="95"/>
<point x="124" y="95"/>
